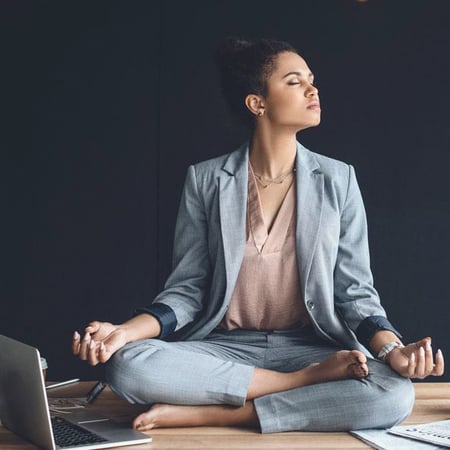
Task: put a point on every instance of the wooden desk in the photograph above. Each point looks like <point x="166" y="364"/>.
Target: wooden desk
<point x="432" y="403"/>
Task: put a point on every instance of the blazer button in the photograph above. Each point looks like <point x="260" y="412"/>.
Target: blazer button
<point x="310" y="304"/>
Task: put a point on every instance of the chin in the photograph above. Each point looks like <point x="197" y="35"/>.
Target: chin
<point x="315" y="122"/>
<point x="306" y="126"/>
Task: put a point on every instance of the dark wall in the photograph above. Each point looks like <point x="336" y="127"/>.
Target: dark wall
<point x="125" y="95"/>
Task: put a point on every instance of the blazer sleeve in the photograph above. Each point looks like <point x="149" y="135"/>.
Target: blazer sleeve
<point x="356" y="299"/>
<point x="182" y="298"/>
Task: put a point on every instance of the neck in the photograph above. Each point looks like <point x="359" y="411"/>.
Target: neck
<point x="272" y="154"/>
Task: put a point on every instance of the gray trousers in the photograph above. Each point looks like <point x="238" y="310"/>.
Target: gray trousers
<point x="217" y="370"/>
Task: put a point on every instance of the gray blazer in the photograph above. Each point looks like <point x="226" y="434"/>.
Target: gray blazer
<point x="332" y="247"/>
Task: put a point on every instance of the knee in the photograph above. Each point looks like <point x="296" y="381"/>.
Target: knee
<point x="394" y="403"/>
<point x="403" y="401"/>
<point x="118" y="374"/>
<point x="126" y="372"/>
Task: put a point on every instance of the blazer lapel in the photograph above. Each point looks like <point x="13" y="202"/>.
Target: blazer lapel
<point x="233" y="208"/>
<point x="310" y="185"/>
<point x="233" y="185"/>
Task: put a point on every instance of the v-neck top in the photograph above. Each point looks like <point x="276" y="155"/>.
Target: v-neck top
<point x="267" y="294"/>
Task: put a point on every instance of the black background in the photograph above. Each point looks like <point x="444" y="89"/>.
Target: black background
<point x="124" y="96"/>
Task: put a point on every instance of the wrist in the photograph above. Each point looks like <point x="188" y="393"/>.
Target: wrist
<point x="142" y="326"/>
<point x="387" y="350"/>
<point x="380" y="339"/>
<point x="124" y="331"/>
<point x="392" y="354"/>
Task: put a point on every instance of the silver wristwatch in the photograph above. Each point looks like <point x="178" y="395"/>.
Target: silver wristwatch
<point x="387" y="348"/>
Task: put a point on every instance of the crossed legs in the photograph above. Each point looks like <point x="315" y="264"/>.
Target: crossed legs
<point x="216" y="383"/>
<point x="341" y="365"/>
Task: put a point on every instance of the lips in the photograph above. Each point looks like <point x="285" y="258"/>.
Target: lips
<point x="313" y="105"/>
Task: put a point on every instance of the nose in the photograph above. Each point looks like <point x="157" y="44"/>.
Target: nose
<point x="312" y="91"/>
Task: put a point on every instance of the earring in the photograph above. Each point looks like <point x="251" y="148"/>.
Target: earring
<point x="260" y="113"/>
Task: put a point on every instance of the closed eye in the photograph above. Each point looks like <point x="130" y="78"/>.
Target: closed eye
<point x="293" y="84"/>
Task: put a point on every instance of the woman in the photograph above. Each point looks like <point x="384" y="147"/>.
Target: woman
<point x="269" y="318"/>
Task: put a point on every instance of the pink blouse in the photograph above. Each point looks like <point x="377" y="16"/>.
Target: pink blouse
<point x="267" y="295"/>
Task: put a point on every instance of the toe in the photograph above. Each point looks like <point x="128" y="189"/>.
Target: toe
<point x="364" y="371"/>
<point x="143" y="422"/>
<point x="360" y="357"/>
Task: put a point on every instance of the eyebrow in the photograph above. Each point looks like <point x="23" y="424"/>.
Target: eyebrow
<point x="310" y="74"/>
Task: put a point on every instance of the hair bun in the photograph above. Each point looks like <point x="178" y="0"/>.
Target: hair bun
<point x="229" y="50"/>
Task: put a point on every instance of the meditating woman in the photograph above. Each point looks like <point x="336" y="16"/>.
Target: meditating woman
<point x="269" y="318"/>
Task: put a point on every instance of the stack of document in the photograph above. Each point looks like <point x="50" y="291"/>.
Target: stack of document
<point x="429" y="436"/>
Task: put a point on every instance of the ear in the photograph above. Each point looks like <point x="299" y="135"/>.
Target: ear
<point x="255" y="104"/>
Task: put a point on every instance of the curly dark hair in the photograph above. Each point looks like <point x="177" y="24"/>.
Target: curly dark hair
<point x="244" y="68"/>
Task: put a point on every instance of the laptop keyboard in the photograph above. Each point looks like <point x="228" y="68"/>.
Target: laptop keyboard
<point x="67" y="434"/>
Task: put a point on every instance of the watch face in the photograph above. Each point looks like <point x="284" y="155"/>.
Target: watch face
<point x="387" y="348"/>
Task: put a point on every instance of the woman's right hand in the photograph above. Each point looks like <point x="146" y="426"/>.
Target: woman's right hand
<point x="100" y="341"/>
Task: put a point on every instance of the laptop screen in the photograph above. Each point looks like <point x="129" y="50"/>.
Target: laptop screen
<point x="23" y="400"/>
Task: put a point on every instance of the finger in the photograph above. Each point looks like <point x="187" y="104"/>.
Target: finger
<point x="420" y="367"/>
<point x="422" y="342"/>
<point x="92" y="354"/>
<point x="84" y="346"/>
<point x="93" y="327"/>
<point x="104" y="355"/>
<point x="412" y="365"/>
<point x="76" y="343"/>
<point x="429" y="363"/>
<point x="439" y="366"/>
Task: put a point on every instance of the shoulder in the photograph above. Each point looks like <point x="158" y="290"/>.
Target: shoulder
<point x="331" y="167"/>
<point x="338" y="176"/>
<point x="204" y="177"/>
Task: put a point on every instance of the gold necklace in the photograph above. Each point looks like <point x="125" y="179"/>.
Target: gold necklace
<point x="266" y="182"/>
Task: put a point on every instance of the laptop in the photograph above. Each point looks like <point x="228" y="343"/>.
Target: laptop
<point x="24" y="408"/>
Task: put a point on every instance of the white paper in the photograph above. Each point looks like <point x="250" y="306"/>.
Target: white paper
<point x="383" y="440"/>
<point x="435" y="432"/>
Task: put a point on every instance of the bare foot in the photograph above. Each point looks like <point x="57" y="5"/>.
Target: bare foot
<point x="340" y="366"/>
<point x="161" y="416"/>
<point x="165" y="416"/>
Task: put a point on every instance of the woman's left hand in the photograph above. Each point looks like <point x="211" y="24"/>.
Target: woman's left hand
<point x="416" y="360"/>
